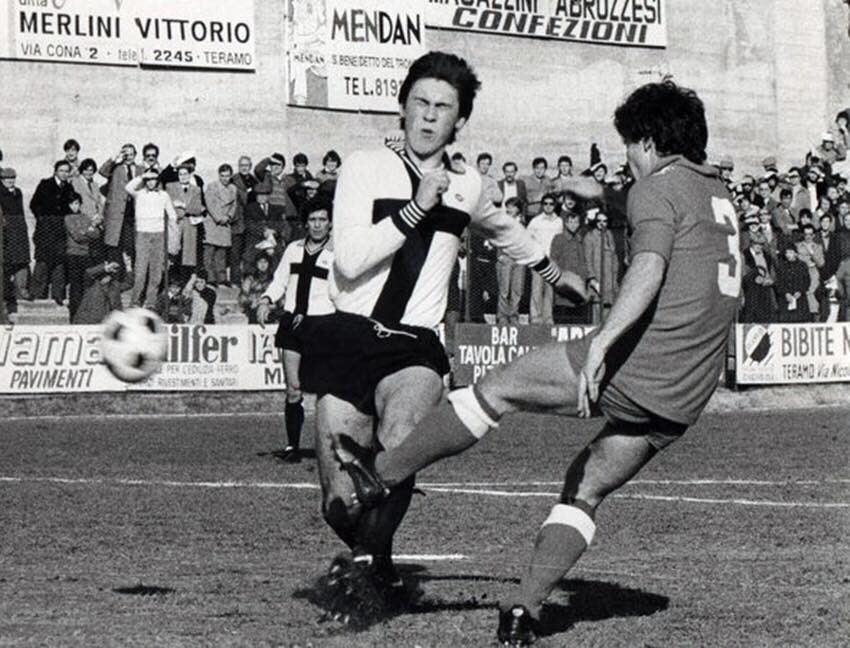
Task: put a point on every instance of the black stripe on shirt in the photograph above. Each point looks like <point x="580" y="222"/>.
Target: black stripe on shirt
<point x="306" y="271"/>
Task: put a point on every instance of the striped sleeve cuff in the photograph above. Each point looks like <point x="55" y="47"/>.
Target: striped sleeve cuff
<point x="548" y="270"/>
<point x="408" y="217"/>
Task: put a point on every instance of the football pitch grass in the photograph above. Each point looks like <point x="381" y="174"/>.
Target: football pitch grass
<point x="172" y="531"/>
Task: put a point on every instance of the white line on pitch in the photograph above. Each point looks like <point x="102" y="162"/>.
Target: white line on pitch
<point x="429" y="557"/>
<point x="662" y="482"/>
<point x="118" y="415"/>
<point x="435" y="489"/>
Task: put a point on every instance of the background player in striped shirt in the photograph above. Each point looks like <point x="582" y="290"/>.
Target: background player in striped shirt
<point x="301" y="278"/>
<point x="649" y="370"/>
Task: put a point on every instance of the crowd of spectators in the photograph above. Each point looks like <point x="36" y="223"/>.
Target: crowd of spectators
<point x="157" y="231"/>
<point x="172" y="239"/>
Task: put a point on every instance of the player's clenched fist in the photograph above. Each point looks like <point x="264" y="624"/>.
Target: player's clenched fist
<point x="432" y="186"/>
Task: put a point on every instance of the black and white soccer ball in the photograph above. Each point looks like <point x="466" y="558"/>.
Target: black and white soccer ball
<point x="134" y="344"/>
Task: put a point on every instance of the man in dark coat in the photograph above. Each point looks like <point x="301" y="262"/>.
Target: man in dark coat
<point x="102" y="294"/>
<point x="49" y="205"/>
<point x="119" y="234"/>
<point x="16" y="242"/>
<point x="265" y="223"/>
<point x="244" y="181"/>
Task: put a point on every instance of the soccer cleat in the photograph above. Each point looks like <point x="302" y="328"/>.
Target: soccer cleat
<point x="517" y="627"/>
<point x="289" y="454"/>
<point x="357" y="461"/>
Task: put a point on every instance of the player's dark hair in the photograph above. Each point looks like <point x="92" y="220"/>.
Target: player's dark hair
<point x="484" y="156"/>
<point x="318" y="203"/>
<point x="539" y="160"/>
<point x="513" y="201"/>
<point x="332" y="155"/>
<point x="446" y="67"/>
<point x="60" y="163"/>
<point x="88" y="163"/>
<point x="671" y="116"/>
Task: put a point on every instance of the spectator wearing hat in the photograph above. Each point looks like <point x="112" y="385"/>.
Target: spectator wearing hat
<point x="792" y="283"/>
<point x="537" y="185"/>
<point x="152" y="207"/>
<point x="603" y="269"/>
<point x="49" y="204"/>
<point x="221" y="207"/>
<point x="244" y="180"/>
<point x="810" y="252"/>
<point x="119" y="231"/>
<point x="186" y="159"/>
<point x="758" y="280"/>
<point x="752" y="226"/>
<point x="829" y="151"/>
<point x="71" y="148"/>
<point x="265" y="225"/>
<point x="82" y="230"/>
<point x="726" y="166"/>
<point x="187" y="199"/>
<point x="102" y="294"/>
<point x="16" y="242"/>
<point x="270" y="171"/>
<point x="747" y="187"/>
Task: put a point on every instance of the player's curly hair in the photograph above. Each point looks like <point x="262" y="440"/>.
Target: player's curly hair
<point x="672" y="116"/>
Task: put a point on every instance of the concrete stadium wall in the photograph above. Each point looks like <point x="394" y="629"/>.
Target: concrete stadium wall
<point x="763" y="67"/>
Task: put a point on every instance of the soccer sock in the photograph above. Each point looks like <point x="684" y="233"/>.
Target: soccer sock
<point x="561" y="541"/>
<point x="448" y="429"/>
<point x="376" y="528"/>
<point x="294" y="415"/>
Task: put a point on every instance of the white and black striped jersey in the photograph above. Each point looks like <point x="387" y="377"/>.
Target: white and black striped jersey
<point x="302" y="277"/>
<point x="392" y="260"/>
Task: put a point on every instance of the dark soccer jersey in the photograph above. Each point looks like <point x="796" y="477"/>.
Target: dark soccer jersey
<point x="670" y="361"/>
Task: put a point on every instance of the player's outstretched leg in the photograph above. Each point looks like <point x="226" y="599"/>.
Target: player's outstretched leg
<point x="608" y="462"/>
<point x="541" y="380"/>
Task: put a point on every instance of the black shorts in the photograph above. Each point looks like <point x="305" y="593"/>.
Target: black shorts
<point x="347" y="355"/>
<point x="284" y="337"/>
<point x="618" y="408"/>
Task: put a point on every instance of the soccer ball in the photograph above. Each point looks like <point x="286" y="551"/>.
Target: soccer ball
<point x="134" y="344"/>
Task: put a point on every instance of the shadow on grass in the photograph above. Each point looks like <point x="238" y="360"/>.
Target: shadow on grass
<point x="588" y="600"/>
<point x="596" y="601"/>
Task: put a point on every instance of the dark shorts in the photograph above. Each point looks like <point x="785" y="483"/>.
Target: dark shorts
<point x="621" y="410"/>
<point x="284" y="337"/>
<point x="347" y="355"/>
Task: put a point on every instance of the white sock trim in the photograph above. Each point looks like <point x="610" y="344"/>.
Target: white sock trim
<point x="573" y="517"/>
<point x="470" y="412"/>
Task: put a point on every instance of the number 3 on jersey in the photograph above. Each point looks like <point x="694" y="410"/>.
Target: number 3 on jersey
<point x="728" y="270"/>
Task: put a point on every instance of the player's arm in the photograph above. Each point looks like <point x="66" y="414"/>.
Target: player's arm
<point x="652" y="218"/>
<point x="359" y="244"/>
<point x="509" y="236"/>
<point x="277" y="288"/>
